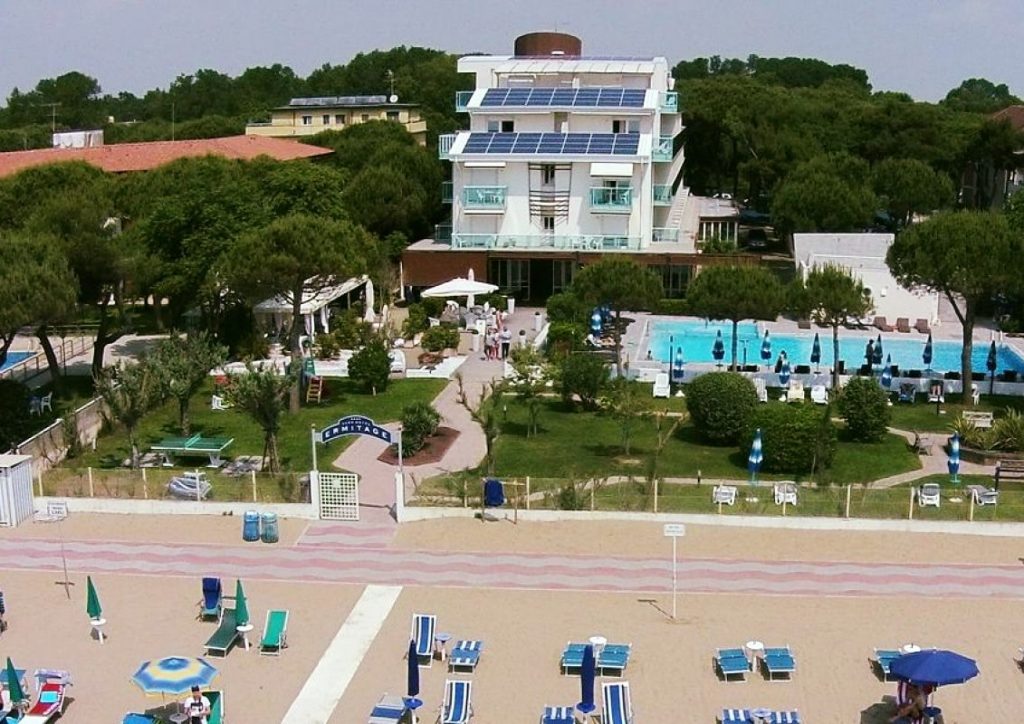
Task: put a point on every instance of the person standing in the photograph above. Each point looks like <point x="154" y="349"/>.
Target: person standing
<point x="489" y="344"/>
<point x="506" y="341"/>
<point x="197" y="707"/>
<point x="3" y="613"/>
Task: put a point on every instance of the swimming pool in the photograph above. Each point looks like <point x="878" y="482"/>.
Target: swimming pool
<point x="14" y="358"/>
<point x="697" y="338"/>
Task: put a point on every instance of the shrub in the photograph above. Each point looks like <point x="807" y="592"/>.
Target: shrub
<point x="567" y="307"/>
<point x="15" y="422"/>
<point x="370" y="367"/>
<point x="720" y="405"/>
<point x="416" y="322"/>
<point x="328" y="345"/>
<point x="443" y="336"/>
<point x="796" y="438"/>
<point x="433" y="306"/>
<point x="672" y="306"/>
<point x="1008" y="431"/>
<point x="864" y="405"/>
<point x="351" y="331"/>
<point x="564" y="338"/>
<point x="419" y="421"/>
<point x="971" y="435"/>
<point x="583" y="376"/>
<point x="497" y="300"/>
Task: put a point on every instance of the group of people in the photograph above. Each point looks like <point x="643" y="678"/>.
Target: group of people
<point x="497" y="342"/>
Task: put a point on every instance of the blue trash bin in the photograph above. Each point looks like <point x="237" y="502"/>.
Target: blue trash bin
<point x="270" y="534"/>
<point x="251" y="526"/>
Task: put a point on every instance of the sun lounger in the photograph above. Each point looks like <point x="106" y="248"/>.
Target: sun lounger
<point x="762" y="389"/>
<point x="225" y="635"/>
<point x="458" y="702"/>
<point x="784" y="717"/>
<point x="778" y="662"/>
<point x="903" y="325"/>
<point x="389" y="709"/>
<point x="613" y="658"/>
<point x="423" y="626"/>
<point x="48" y="704"/>
<point x="928" y="494"/>
<point x="922" y="326"/>
<point x="784" y="493"/>
<point x="819" y="395"/>
<point x="189" y="486"/>
<point x="216" y="707"/>
<point x="558" y="715"/>
<point x="908" y="392"/>
<point x="795" y="391"/>
<point x="739" y="716"/>
<point x="661" y="385"/>
<point x="617" y="706"/>
<point x="572" y="657"/>
<point x="133" y="718"/>
<point x="275" y="633"/>
<point x="732" y="663"/>
<point x="213" y="599"/>
<point x="983" y="495"/>
<point x="881" y="324"/>
<point x="465" y="655"/>
<point x="724" y="494"/>
<point x="884" y="658"/>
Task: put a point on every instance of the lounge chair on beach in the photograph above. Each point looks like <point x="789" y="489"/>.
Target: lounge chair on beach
<point x="613" y="658"/>
<point x="883" y="659"/>
<point x="225" y="636"/>
<point x="928" y="495"/>
<point x="389" y="709"/>
<point x="733" y="663"/>
<point x="49" y="703"/>
<point x="785" y="493"/>
<point x="922" y="326"/>
<point x="423" y="625"/>
<point x="983" y="495"/>
<point x="795" y="391"/>
<point x="275" y="633"/>
<point x="134" y="718"/>
<point x="736" y="716"/>
<point x="784" y="717"/>
<point x="213" y="599"/>
<point x="618" y="709"/>
<point x="558" y="715"/>
<point x="662" y="387"/>
<point x="572" y="657"/>
<point x="458" y="702"/>
<point x="881" y="324"/>
<point x="779" y="662"/>
<point x="216" y="707"/>
<point x="465" y="655"/>
<point x="903" y="325"/>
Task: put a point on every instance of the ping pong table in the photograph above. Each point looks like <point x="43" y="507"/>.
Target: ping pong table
<point x="197" y="445"/>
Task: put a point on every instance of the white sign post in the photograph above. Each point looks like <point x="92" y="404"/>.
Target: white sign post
<point x="673" y="531"/>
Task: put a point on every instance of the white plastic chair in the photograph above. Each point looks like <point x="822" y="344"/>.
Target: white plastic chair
<point x="785" y="493"/>
<point x="762" y="389"/>
<point x="928" y="494"/>
<point x="661" y="385"/>
<point x="819" y="395"/>
<point x="46" y="402"/>
<point x="975" y="394"/>
<point x="724" y="494"/>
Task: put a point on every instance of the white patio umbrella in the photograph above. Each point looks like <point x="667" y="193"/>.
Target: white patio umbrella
<point x="368" y="315"/>
<point x="460" y="287"/>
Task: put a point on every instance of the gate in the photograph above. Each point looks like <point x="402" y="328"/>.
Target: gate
<point x="339" y="496"/>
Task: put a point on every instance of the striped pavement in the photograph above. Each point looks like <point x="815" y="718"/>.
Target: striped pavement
<point x="391" y="566"/>
<point x="345" y="534"/>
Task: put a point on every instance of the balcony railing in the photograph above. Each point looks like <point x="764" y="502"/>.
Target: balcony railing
<point x="664" y="235"/>
<point x="578" y="242"/>
<point x="489" y="198"/>
<point x="614" y="199"/>
<point x="662" y="195"/>
<point x="662" y="150"/>
<point x="669" y="101"/>
<point x="446" y="192"/>
<point x="444" y="145"/>
<point x="443" y="233"/>
<point x="462" y="99"/>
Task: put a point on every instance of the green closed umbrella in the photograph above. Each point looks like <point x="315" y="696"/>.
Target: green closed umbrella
<point x="92" y="601"/>
<point x="14" y="684"/>
<point x="241" y="607"/>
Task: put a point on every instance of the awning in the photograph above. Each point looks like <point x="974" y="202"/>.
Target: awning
<point x="313" y="298"/>
<point x="621" y="170"/>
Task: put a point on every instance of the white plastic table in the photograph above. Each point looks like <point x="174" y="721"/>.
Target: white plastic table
<point x="244" y="632"/>
<point x="97" y="625"/>
<point x="441" y="645"/>
<point x="598" y="642"/>
<point x="910" y="648"/>
<point x="754" y="646"/>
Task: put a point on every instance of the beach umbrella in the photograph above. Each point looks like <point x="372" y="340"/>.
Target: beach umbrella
<point x="933" y="667"/>
<point x="990" y="365"/>
<point x="887" y="373"/>
<point x="718" y="349"/>
<point x="412" y="689"/>
<point x="816" y="352"/>
<point x="92" y="601"/>
<point x="174" y="675"/>
<point x="756" y="457"/>
<point x="877" y="355"/>
<point x="784" y="372"/>
<point x="14" y="683"/>
<point x="926" y="356"/>
<point x="766" y="347"/>
<point x="595" y="323"/>
<point x="677" y="365"/>
<point x="241" y="606"/>
<point x="954" y="458"/>
<point x="588" y="671"/>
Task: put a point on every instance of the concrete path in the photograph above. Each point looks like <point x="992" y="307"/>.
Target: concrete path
<point x="333" y="673"/>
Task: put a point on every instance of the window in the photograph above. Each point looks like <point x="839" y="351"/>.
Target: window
<point x="548" y="223"/>
<point x="392" y="115"/>
<point x="493" y="126"/>
<point x="326" y="119"/>
<point x="623" y="126"/>
<point x="547" y="173"/>
<point x="562" y="272"/>
<point x="339" y="119"/>
<point x="307" y="120"/>
<point x="366" y="117"/>
<point x="511" y="275"/>
<point x="508" y="126"/>
<point x="674" y="278"/>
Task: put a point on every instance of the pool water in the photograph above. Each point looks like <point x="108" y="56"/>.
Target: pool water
<point x="14" y="358"/>
<point x="697" y="339"/>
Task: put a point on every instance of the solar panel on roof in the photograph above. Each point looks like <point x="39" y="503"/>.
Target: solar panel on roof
<point x="603" y="144"/>
<point x="565" y="97"/>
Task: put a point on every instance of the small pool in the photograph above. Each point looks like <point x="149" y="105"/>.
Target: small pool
<point x="697" y="338"/>
<point x="14" y="358"/>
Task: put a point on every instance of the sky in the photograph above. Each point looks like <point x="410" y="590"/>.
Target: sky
<point x="923" y="47"/>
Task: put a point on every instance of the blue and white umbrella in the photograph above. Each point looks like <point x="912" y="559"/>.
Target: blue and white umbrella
<point x="766" y="347"/>
<point x="926" y="356"/>
<point x="755" y="458"/>
<point x="877" y="354"/>
<point x="595" y="323"/>
<point x="953" y="464"/>
<point x="174" y="675"/>
<point x="718" y="350"/>
<point x="816" y="351"/>
<point x="677" y="365"/>
<point x="887" y="373"/>
<point x="784" y="372"/>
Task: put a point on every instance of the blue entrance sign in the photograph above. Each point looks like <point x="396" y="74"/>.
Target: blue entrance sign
<point x="355" y="425"/>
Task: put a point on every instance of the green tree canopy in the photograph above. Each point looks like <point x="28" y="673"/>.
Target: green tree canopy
<point x="906" y="186"/>
<point x="261" y="393"/>
<point x="827" y="193"/>
<point x="183" y="365"/>
<point x="979" y="95"/>
<point x="129" y="391"/>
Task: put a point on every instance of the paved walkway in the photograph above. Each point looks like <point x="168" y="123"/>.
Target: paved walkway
<point x="397" y="567"/>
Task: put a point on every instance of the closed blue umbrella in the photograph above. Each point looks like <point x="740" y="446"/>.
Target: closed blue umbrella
<point x="933" y="667"/>
<point x="766" y="347"/>
<point x="990" y="364"/>
<point x="816" y="352"/>
<point x="677" y="365"/>
<point x="412" y="678"/>
<point x="887" y="373"/>
<point x="756" y="457"/>
<point x="588" y="671"/>
<point x="784" y="372"/>
<point x="954" y="458"/>
<point x="718" y="350"/>
<point x="877" y="356"/>
<point x="926" y="356"/>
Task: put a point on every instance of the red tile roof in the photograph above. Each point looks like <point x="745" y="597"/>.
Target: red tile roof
<point x="122" y="157"/>
<point x="1013" y="114"/>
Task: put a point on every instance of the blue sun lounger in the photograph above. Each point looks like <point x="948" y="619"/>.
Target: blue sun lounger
<point x="779" y="662"/>
<point x="558" y="715"/>
<point x="213" y="597"/>
<point x="613" y="658"/>
<point x="423" y="625"/>
<point x="572" y="657"/>
<point x="736" y="716"/>
<point x="884" y="659"/>
<point x="458" y="702"/>
<point x="617" y="706"/>
<point x="465" y="655"/>
<point x="389" y="709"/>
<point x="784" y="717"/>
<point x="732" y="663"/>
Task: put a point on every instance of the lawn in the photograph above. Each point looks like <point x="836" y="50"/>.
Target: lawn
<point x="294" y="438"/>
<point x="75" y="391"/>
<point x="921" y="416"/>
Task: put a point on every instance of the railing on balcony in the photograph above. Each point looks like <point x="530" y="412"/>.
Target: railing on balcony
<point x="444" y="145"/>
<point x="662" y="150"/>
<point x="462" y="99"/>
<point x="669" y="101"/>
<point x="485" y="198"/>
<point x="662" y="195"/>
<point x="612" y="199"/>
<point x="664" y="235"/>
<point x="446" y="192"/>
<point x="443" y="233"/>
<point x="576" y="242"/>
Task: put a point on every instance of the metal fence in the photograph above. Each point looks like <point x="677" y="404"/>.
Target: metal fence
<point x="36" y="364"/>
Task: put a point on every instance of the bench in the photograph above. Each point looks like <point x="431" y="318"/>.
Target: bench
<point x="981" y="420"/>
<point x="1009" y="470"/>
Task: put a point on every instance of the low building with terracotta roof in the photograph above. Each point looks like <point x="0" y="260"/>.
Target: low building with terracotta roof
<point x="127" y="157"/>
